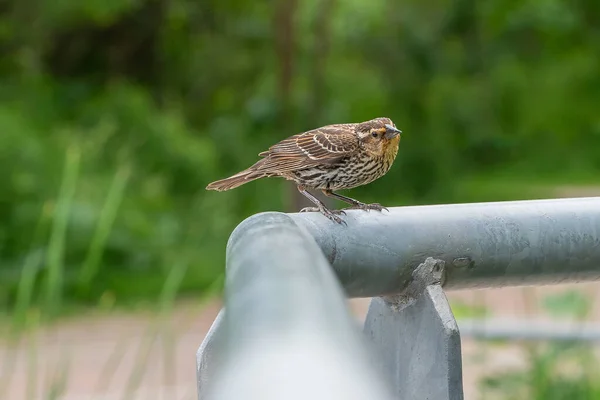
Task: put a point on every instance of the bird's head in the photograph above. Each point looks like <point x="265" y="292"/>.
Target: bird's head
<point x="379" y="136"/>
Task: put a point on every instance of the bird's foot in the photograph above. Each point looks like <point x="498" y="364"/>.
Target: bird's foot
<point x="334" y="215"/>
<point x="325" y="210"/>
<point x="331" y="214"/>
<point x="367" y="207"/>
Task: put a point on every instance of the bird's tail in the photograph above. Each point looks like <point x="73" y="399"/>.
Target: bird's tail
<point x="238" y="179"/>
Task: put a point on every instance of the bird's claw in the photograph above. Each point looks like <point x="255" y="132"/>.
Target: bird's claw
<point x="377" y="207"/>
<point x="368" y="207"/>
<point x="331" y="214"/>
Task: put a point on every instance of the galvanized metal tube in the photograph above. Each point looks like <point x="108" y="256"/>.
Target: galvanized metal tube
<point x="483" y="244"/>
<point x="522" y="329"/>
<point x="286" y="332"/>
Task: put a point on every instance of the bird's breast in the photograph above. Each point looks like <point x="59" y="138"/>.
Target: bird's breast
<point x="357" y="170"/>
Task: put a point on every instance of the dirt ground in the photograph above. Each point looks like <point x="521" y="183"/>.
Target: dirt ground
<point x="110" y="357"/>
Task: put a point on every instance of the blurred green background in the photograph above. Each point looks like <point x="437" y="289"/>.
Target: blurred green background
<point x="115" y="114"/>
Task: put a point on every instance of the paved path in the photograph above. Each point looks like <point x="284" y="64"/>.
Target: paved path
<point x="120" y="357"/>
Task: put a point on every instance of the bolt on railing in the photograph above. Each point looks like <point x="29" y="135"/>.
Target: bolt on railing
<point x="285" y="331"/>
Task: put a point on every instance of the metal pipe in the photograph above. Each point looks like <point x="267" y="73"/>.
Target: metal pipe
<point x="482" y="244"/>
<point x="519" y="329"/>
<point x="286" y="332"/>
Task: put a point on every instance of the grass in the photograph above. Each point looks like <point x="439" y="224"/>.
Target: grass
<point x="27" y="320"/>
<point x="108" y="215"/>
<point x="540" y="380"/>
<point x="56" y="246"/>
<point x="554" y="370"/>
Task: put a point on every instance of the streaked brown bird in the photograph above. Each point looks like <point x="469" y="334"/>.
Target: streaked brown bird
<point x="330" y="158"/>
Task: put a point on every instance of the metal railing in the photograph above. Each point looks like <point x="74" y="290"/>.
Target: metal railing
<point x="286" y="332"/>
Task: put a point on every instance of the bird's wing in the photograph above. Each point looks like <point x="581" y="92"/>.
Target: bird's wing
<point x="324" y="145"/>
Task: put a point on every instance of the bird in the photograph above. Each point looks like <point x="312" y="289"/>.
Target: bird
<point x="330" y="158"/>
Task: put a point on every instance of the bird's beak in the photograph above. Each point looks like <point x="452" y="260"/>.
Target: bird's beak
<point x="391" y="132"/>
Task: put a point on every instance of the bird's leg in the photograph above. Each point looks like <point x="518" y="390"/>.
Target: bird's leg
<point x="320" y="207"/>
<point x="355" y="203"/>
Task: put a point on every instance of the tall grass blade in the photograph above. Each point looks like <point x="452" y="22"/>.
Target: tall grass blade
<point x="32" y="357"/>
<point x="143" y="354"/>
<point x="166" y="299"/>
<point x="24" y="299"/>
<point x="60" y="377"/>
<point x="31" y="267"/>
<point x="29" y="273"/>
<point x="171" y="286"/>
<point x="111" y="365"/>
<point x="103" y="228"/>
<point x="56" y="248"/>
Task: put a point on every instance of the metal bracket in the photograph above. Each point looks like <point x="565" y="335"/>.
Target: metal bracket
<point x="431" y="272"/>
<point x="207" y="356"/>
<point x="416" y="339"/>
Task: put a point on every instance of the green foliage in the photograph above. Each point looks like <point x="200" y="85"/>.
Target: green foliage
<point x="133" y="106"/>
<point x="462" y="310"/>
<point x="130" y="214"/>
<point x="571" y="303"/>
<point x="555" y="372"/>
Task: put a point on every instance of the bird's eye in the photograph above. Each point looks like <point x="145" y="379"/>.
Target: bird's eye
<point x="374" y="134"/>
